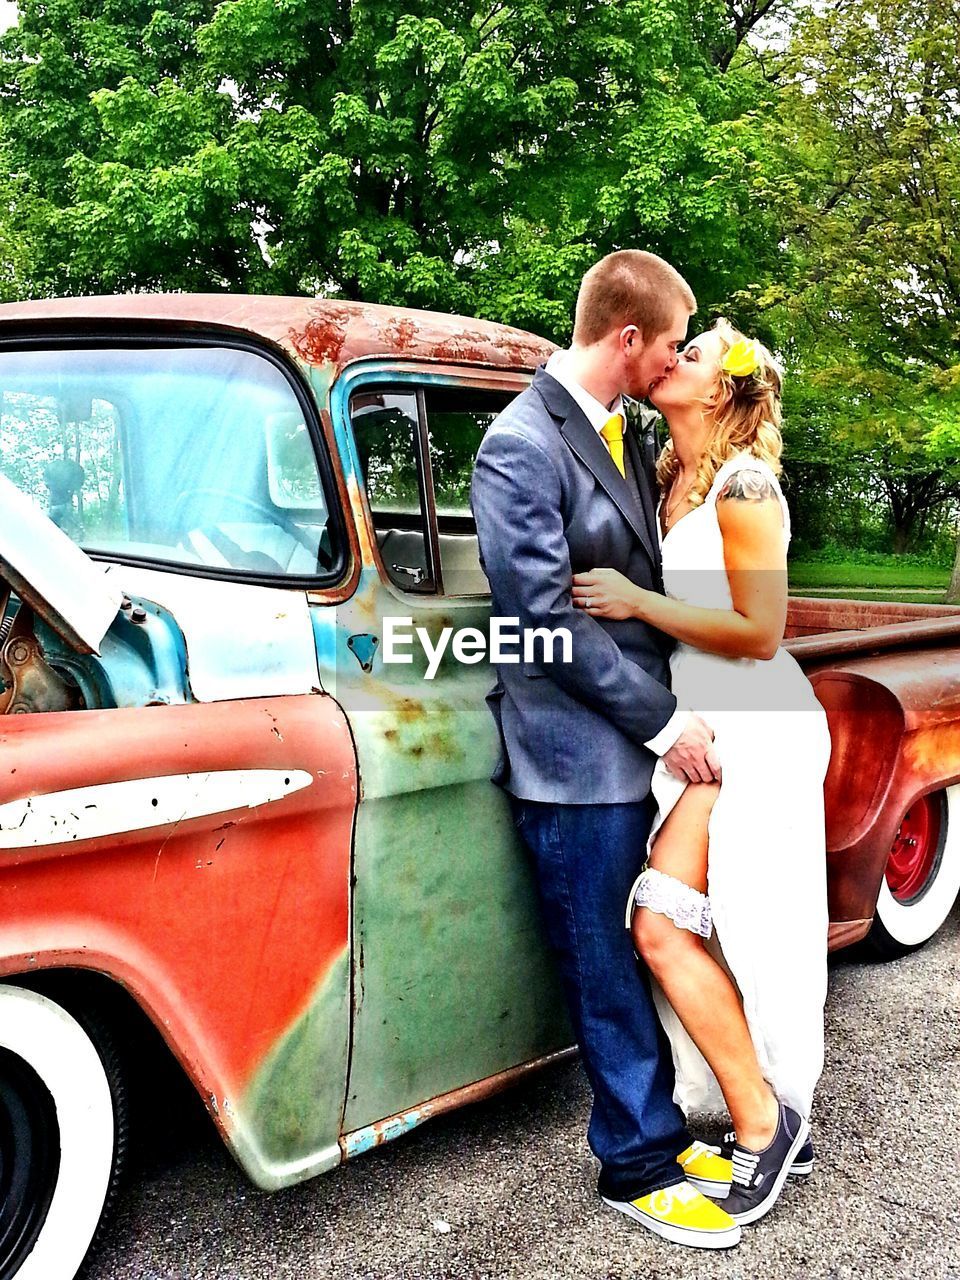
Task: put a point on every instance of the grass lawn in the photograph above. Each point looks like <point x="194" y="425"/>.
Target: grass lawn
<point x="850" y="581"/>
<point x="899" y="595"/>
<point x="812" y="574"/>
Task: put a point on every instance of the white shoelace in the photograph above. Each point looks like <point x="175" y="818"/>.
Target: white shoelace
<point x="744" y="1166"/>
<point x="682" y="1192"/>
<point x="699" y="1149"/>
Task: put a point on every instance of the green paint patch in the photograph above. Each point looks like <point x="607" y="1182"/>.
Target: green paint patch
<point x="457" y="981"/>
<point x="293" y="1107"/>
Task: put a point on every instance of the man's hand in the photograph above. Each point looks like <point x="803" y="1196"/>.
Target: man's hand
<point x="692" y="756"/>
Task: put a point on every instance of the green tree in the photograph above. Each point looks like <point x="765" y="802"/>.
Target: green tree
<point x="860" y="439"/>
<point x="467" y="156"/>
<point x="113" y="176"/>
<point x="867" y="307"/>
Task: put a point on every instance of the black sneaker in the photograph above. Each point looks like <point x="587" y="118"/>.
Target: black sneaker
<point x="802" y="1166"/>
<point x="758" y="1176"/>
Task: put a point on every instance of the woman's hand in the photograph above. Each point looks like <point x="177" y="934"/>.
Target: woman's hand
<point x="605" y="593"/>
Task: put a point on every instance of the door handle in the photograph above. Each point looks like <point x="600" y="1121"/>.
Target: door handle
<point x="415" y="572"/>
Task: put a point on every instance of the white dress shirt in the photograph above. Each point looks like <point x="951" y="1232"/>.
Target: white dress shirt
<point x="597" y="415"/>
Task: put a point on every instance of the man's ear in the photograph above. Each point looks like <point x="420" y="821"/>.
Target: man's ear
<point x="630" y="339"/>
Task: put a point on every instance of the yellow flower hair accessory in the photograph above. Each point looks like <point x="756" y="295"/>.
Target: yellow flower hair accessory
<point x="742" y="359"/>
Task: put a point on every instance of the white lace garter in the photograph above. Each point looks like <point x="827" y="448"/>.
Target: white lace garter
<point x="668" y="896"/>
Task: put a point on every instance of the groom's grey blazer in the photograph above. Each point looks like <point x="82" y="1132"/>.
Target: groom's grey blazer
<point x="549" y="502"/>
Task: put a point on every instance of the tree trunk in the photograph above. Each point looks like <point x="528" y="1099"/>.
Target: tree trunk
<point x="953" y="591"/>
<point x="901" y="538"/>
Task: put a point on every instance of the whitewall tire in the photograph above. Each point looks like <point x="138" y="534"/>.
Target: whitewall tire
<point x="60" y="1117"/>
<point x="922" y="878"/>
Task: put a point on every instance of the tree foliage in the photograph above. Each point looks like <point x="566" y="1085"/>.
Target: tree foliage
<point x="115" y="175"/>
<point x="478" y="155"/>
<point x="867" y="303"/>
<point x="467" y="156"/>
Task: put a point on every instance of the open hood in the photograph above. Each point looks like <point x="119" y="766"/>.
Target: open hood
<point x="50" y="573"/>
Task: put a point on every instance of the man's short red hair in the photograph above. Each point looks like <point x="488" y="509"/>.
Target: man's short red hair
<point x="629" y="287"/>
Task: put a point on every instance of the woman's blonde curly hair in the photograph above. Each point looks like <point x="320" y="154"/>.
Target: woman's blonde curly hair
<point x="747" y="418"/>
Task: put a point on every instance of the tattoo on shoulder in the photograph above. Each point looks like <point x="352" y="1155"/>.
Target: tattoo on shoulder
<point x="747" y="486"/>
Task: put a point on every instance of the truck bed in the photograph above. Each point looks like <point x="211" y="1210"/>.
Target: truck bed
<point x="819" y="628"/>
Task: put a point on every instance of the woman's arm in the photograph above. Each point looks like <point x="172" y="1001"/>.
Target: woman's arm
<point x="751" y="523"/>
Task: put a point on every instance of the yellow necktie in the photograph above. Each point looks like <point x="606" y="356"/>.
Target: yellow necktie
<point x="612" y="432"/>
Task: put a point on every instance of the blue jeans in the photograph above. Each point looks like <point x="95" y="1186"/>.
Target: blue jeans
<point x="586" y="858"/>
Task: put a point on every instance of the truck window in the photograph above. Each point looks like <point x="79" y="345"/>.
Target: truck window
<point x="416" y="449"/>
<point x="457" y="417"/>
<point x="386" y="428"/>
<point x="194" y="456"/>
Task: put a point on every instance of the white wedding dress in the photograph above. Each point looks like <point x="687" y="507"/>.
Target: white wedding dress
<point x="766" y="859"/>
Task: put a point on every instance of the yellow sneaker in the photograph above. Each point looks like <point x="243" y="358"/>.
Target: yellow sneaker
<point x="707" y="1169"/>
<point x="682" y="1215"/>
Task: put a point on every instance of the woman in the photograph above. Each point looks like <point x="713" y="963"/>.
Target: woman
<point x="730" y="911"/>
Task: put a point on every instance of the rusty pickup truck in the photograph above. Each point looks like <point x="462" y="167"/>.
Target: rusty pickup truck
<point x="225" y="822"/>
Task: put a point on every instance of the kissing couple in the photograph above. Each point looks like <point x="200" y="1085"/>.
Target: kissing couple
<point x="668" y="781"/>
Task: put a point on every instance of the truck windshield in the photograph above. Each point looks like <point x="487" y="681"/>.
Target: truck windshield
<point x="196" y="456"/>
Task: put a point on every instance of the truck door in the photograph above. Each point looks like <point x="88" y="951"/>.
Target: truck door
<point x="452" y="978"/>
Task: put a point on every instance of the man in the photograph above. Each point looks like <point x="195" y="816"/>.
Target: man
<point x="559" y="487"/>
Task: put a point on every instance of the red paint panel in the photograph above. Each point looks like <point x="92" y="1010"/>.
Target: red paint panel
<point x="810" y="615"/>
<point x="895" y="727"/>
<point x="222" y="926"/>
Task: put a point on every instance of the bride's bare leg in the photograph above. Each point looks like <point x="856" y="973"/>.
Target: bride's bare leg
<point x="701" y="992"/>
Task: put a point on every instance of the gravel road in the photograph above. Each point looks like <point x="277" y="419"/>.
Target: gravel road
<point x="506" y="1188"/>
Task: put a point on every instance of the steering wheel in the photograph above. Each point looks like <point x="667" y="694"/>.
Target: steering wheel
<point x="270" y="515"/>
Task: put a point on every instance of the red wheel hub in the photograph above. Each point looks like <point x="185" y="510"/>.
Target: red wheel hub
<point x="915" y="848"/>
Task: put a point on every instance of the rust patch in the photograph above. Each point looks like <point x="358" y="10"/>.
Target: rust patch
<point x="316" y="330"/>
<point x="322" y="341"/>
<point x="366" y="606"/>
<point x="521" y="349"/>
<point x="467" y="345"/>
<point x="374" y="1135"/>
<point x="400" y="334"/>
<point x="407" y="710"/>
<point x="363" y="531"/>
<point x="460" y="349"/>
<point x="478" y="347"/>
<point x="419" y="730"/>
<point x="27" y="682"/>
